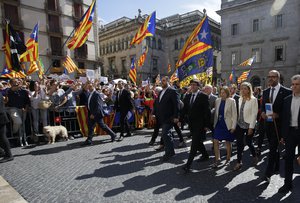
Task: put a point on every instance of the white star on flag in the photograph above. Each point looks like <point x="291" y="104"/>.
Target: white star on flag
<point x="203" y="34"/>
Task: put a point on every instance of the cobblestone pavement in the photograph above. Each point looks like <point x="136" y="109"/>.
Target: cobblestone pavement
<point x="131" y="171"/>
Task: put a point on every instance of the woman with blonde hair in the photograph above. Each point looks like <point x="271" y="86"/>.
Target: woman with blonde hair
<point x="224" y="123"/>
<point x="248" y="109"/>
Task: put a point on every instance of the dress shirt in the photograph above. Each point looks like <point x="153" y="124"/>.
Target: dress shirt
<point x="90" y="98"/>
<point x="162" y="93"/>
<point x="277" y="87"/>
<point x="295" y="111"/>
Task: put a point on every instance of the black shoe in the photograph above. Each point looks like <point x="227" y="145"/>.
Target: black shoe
<point x="120" y="138"/>
<point x="87" y="143"/>
<point x="151" y="143"/>
<point x="203" y="158"/>
<point x="285" y="189"/>
<point x="6" y="159"/>
<point x="167" y="157"/>
<point x="186" y="169"/>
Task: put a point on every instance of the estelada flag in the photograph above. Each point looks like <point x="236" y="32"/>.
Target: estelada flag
<point x="142" y="58"/>
<point x="82" y="31"/>
<point x="147" y="29"/>
<point x="197" y="54"/>
<point x="32" y="53"/>
<point x="132" y="71"/>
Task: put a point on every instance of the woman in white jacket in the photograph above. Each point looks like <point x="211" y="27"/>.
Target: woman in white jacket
<point x="248" y="108"/>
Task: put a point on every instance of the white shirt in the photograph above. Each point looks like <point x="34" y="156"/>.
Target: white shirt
<point x="89" y="99"/>
<point x="277" y="87"/>
<point x="195" y="95"/>
<point x="162" y="93"/>
<point x="295" y="111"/>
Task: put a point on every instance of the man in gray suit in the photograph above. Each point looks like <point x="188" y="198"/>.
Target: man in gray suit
<point x="207" y="89"/>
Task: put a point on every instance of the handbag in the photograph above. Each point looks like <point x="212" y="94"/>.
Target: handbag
<point x="44" y="104"/>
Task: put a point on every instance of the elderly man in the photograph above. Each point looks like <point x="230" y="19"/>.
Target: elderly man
<point x="273" y="95"/>
<point x="290" y="130"/>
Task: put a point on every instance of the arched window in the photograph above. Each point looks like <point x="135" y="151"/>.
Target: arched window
<point x="181" y="43"/>
<point x="119" y="45"/>
<point x="123" y="44"/>
<point x="126" y="43"/>
<point x="176" y="44"/>
<point x="153" y="43"/>
<point x="159" y="44"/>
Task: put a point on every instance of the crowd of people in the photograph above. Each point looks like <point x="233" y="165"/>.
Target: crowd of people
<point x="230" y="114"/>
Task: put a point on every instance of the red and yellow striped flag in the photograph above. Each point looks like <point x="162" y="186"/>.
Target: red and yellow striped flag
<point x="33" y="68"/>
<point x="169" y="68"/>
<point x="132" y="71"/>
<point x="70" y="65"/>
<point x="82" y="31"/>
<point x="244" y="76"/>
<point x="32" y="46"/>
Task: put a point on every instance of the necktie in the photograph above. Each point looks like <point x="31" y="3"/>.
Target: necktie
<point x="192" y="99"/>
<point x="272" y="95"/>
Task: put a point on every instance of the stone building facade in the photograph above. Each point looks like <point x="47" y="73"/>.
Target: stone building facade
<point x="163" y="49"/>
<point x="57" y="19"/>
<point x="268" y="29"/>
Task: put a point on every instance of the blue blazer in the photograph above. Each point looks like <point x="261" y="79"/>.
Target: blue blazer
<point x="95" y="107"/>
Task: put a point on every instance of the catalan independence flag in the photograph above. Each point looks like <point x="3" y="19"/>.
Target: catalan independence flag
<point x="147" y="29"/>
<point x="142" y="58"/>
<point x="82" y="31"/>
<point x="32" y="53"/>
<point x="70" y="65"/>
<point x="232" y="75"/>
<point x="248" y="62"/>
<point x="197" y="53"/>
<point x="174" y="76"/>
<point x="169" y="68"/>
<point x="132" y="71"/>
<point x="245" y="75"/>
<point x="6" y="73"/>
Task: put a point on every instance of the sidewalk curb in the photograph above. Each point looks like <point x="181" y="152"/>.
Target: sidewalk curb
<point x="8" y="194"/>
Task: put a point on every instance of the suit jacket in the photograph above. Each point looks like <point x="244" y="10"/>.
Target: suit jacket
<point x="250" y="111"/>
<point x="3" y="116"/>
<point x="95" y="107"/>
<point x="278" y="102"/>
<point x="198" y="112"/>
<point x="124" y="102"/>
<point x="286" y="116"/>
<point x="167" y="108"/>
<point x="230" y="114"/>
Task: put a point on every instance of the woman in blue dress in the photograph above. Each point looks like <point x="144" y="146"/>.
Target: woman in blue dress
<point x="225" y="123"/>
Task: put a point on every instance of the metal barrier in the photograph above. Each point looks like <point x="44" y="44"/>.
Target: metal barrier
<point x="67" y="117"/>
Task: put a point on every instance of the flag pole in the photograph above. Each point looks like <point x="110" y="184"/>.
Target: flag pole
<point x="61" y="48"/>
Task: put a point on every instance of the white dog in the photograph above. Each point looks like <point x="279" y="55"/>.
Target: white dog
<point x="52" y="131"/>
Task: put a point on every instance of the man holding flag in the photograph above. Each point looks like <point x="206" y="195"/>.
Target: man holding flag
<point x="197" y="54"/>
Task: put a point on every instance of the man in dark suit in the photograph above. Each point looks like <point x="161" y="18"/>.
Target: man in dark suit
<point x="196" y="106"/>
<point x="123" y="104"/>
<point x="290" y="131"/>
<point x="275" y="95"/>
<point x="212" y="100"/>
<point x="166" y="112"/>
<point x="96" y="114"/>
<point x="3" y="139"/>
<point x="234" y="95"/>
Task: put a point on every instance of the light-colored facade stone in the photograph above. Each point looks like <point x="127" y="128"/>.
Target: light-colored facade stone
<point x="30" y="12"/>
<point x="267" y="26"/>
<point x="116" y="58"/>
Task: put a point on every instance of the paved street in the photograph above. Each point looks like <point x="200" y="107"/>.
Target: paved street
<point x="131" y="171"/>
